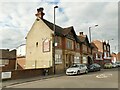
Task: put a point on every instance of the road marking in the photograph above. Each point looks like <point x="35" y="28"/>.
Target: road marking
<point x="103" y="75"/>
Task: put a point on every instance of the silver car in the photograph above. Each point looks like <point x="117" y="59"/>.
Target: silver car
<point x="77" y="69"/>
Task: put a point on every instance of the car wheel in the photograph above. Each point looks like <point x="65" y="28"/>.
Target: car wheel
<point x="78" y="72"/>
<point x="99" y="69"/>
<point x="86" y="71"/>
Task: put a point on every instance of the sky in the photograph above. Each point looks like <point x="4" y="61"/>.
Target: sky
<point x="17" y="17"/>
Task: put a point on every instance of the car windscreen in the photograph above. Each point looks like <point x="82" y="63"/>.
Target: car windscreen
<point x="73" y="66"/>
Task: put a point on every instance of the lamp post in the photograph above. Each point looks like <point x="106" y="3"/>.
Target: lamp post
<point x="54" y="42"/>
<point x="110" y="40"/>
<point x="109" y="45"/>
<point x="90" y="32"/>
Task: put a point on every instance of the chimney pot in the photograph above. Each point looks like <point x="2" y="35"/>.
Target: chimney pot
<point x="40" y="13"/>
<point x="81" y="33"/>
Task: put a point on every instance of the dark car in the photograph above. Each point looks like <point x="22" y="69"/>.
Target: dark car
<point x="94" y="67"/>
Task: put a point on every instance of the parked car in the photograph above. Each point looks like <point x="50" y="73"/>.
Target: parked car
<point x="76" y="69"/>
<point x="114" y="65"/>
<point x="118" y="64"/>
<point x="94" y="67"/>
<point x="108" y="65"/>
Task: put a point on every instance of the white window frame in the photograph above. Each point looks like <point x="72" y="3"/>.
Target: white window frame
<point x="58" y="59"/>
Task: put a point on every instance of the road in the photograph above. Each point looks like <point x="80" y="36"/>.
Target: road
<point x="106" y="78"/>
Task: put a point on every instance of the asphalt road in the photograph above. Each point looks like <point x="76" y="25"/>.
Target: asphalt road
<point x="106" y="78"/>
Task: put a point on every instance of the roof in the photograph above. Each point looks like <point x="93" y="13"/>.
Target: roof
<point x="67" y="30"/>
<point x="58" y="29"/>
<point x="82" y="38"/>
<point x="61" y="31"/>
<point x="6" y="54"/>
<point x="93" y="45"/>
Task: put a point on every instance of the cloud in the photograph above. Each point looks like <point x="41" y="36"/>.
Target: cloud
<point x="17" y="19"/>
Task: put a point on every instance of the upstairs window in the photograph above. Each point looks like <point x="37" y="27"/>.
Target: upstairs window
<point x="77" y="45"/>
<point x="69" y="44"/>
<point x="58" y="40"/>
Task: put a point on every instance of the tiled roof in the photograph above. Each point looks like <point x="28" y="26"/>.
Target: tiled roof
<point x="6" y="54"/>
<point x="58" y="29"/>
<point x="82" y="38"/>
<point x="67" y="30"/>
<point x="93" y="45"/>
<point x="61" y="31"/>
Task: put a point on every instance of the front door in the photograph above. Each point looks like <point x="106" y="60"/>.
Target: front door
<point x="69" y="60"/>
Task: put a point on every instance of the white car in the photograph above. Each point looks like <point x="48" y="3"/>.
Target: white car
<point x="118" y="64"/>
<point x="77" y="69"/>
<point x="114" y="65"/>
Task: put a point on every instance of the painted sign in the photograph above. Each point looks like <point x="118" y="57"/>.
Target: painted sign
<point x="6" y="75"/>
<point x="46" y="46"/>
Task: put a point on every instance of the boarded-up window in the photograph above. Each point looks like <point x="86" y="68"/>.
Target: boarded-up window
<point x="4" y="61"/>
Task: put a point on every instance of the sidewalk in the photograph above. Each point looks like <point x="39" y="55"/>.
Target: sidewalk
<point x="18" y="81"/>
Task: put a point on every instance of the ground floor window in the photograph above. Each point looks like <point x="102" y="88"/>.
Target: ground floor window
<point x="85" y="60"/>
<point x="76" y="59"/>
<point x="58" y="58"/>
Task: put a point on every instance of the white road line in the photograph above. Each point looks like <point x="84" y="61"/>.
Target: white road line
<point x="103" y="75"/>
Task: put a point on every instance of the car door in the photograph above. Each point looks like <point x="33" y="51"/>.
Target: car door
<point x="82" y="68"/>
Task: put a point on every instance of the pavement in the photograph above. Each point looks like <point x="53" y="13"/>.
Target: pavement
<point x="18" y="81"/>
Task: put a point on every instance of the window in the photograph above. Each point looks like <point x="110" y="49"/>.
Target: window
<point x="36" y="44"/>
<point x="76" y="59"/>
<point x="96" y="55"/>
<point x="4" y="61"/>
<point x="84" y="48"/>
<point x="107" y="48"/>
<point x="69" y="44"/>
<point x="77" y="45"/>
<point x="58" y="59"/>
<point x="105" y="54"/>
<point x="58" y="40"/>
<point x="104" y="47"/>
<point x="84" y="60"/>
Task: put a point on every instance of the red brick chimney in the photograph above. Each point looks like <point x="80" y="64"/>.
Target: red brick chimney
<point x="40" y="13"/>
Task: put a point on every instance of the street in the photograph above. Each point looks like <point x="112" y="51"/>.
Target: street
<point x="106" y="78"/>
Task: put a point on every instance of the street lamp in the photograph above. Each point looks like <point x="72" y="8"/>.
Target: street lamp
<point x="90" y="32"/>
<point x="110" y="40"/>
<point x="54" y="41"/>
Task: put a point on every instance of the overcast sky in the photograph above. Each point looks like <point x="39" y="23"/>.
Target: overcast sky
<point x="16" y="19"/>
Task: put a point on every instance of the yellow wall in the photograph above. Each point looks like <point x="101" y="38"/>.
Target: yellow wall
<point x="35" y="57"/>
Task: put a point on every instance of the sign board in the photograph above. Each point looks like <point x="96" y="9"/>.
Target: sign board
<point x="6" y="75"/>
<point x="46" y="46"/>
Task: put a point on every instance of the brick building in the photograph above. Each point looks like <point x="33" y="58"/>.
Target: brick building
<point x="21" y="55"/>
<point x="7" y="60"/>
<point x="69" y="48"/>
<point x="103" y="55"/>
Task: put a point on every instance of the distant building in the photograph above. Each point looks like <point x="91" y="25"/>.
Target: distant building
<point x="103" y="52"/>
<point x="85" y="49"/>
<point x="7" y="60"/>
<point x="113" y="57"/>
<point x="21" y="56"/>
<point x="118" y="56"/>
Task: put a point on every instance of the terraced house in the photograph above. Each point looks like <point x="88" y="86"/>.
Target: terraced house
<point x="69" y="48"/>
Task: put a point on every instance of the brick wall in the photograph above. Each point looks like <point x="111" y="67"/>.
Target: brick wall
<point x="27" y="73"/>
<point x="10" y="66"/>
<point x="20" y="63"/>
<point x="59" y="68"/>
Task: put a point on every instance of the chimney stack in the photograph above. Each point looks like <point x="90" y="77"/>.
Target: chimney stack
<point x="40" y="13"/>
<point x="80" y="33"/>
